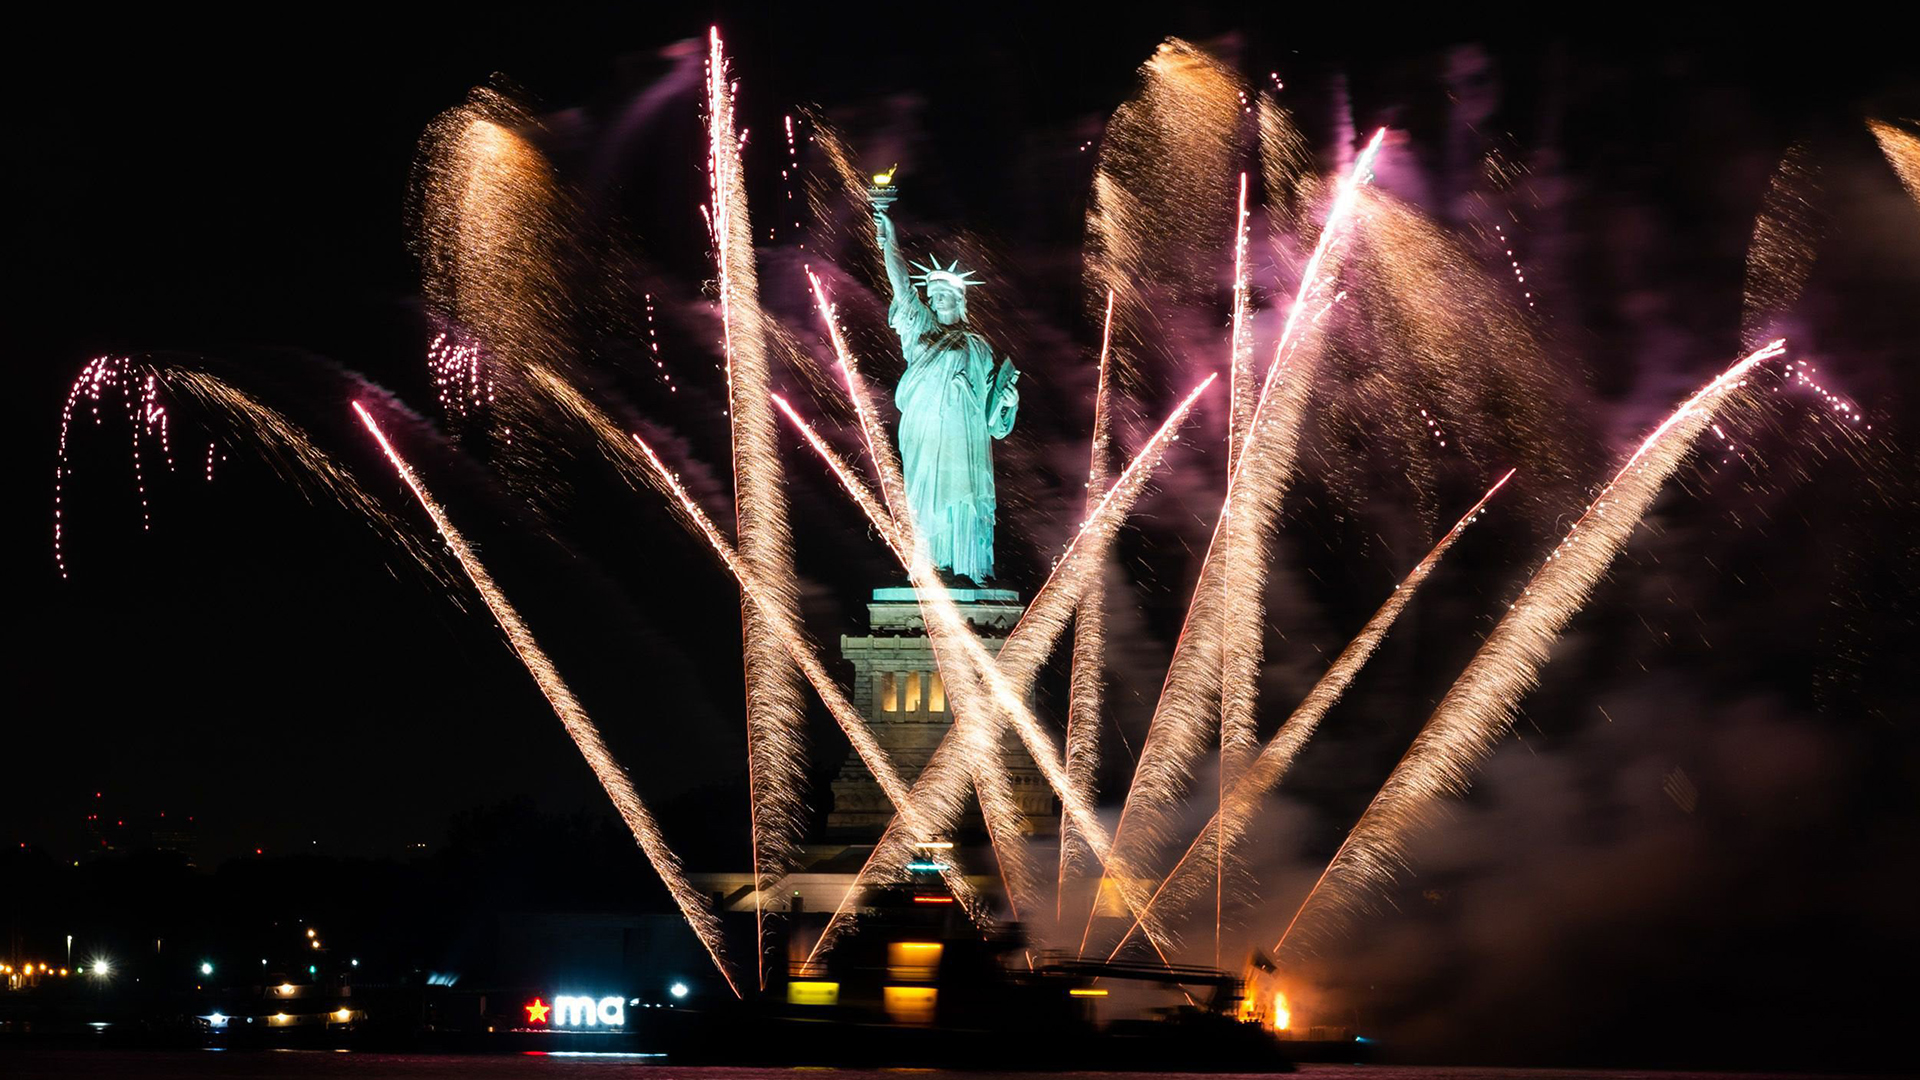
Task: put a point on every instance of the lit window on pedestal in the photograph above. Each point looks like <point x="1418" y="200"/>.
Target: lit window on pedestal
<point x="913" y="693"/>
<point x="936" y="693"/>
<point x="889" y="693"/>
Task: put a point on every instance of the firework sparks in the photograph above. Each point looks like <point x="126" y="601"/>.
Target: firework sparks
<point x="1087" y="678"/>
<point x="460" y="378"/>
<point x="1161" y="189"/>
<point x="1240" y="344"/>
<point x="1785" y="234"/>
<point x="135" y="387"/>
<point x="285" y="446"/>
<point x="653" y="347"/>
<point x="292" y="454"/>
<point x="1430" y="355"/>
<point x="776" y="754"/>
<point x="893" y="485"/>
<point x="1224" y="618"/>
<point x="1241" y="802"/>
<point x="856" y="488"/>
<point x="1903" y="153"/>
<point x="1479" y="707"/>
<point x="489" y="221"/>
<point x="1286" y="165"/>
<point x="1806" y="375"/>
<point x="1239" y="666"/>
<point x="1513" y="261"/>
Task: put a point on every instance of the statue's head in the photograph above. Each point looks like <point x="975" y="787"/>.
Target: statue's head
<point x="948" y="303"/>
<point x="946" y="290"/>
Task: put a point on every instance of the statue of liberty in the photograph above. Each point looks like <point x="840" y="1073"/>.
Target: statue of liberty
<point x="953" y="402"/>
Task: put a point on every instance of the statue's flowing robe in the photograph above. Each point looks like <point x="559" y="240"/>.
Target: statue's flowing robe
<point x="949" y="415"/>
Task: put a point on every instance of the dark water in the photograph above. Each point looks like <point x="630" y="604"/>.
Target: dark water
<point x="333" y="1065"/>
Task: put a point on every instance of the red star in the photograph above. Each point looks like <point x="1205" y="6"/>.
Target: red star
<point x="537" y="1012"/>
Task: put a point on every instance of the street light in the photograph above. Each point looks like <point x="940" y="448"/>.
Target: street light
<point x="678" y="990"/>
<point x="102" y="968"/>
<point x="206" y="967"/>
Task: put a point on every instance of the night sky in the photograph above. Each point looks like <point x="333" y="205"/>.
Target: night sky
<point x="280" y="673"/>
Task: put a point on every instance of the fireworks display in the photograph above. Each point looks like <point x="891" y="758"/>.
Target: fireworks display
<point x="1362" y="345"/>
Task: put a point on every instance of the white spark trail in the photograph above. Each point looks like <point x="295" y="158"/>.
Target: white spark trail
<point x="776" y="720"/>
<point x="573" y="716"/>
<point x="1086" y="685"/>
<point x="1239" y="669"/>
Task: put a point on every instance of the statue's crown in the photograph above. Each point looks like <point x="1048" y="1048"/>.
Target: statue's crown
<point x="952" y="276"/>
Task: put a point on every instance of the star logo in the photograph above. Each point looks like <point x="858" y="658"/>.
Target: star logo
<point x="537" y="1012"/>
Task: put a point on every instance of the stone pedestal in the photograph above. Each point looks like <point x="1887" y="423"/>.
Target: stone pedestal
<point x="897" y="686"/>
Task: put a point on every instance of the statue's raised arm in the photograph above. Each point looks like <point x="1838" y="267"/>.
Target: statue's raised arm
<point x="897" y="277"/>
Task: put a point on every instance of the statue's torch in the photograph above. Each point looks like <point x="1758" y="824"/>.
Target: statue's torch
<point x="881" y="191"/>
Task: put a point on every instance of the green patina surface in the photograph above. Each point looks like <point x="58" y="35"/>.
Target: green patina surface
<point x="954" y="401"/>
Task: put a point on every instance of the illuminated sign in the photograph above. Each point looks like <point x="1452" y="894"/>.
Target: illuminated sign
<point x="577" y="1011"/>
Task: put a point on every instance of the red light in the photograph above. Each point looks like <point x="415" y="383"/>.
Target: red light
<point x="537" y="1012"/>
